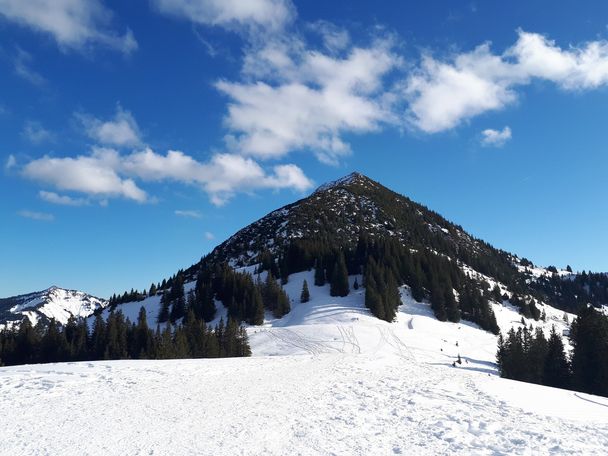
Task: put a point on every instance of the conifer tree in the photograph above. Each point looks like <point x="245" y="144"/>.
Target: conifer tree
<point x="143" y="337"/>
<point x="258" y="307"/>
<point x="438" y="301"/>
<point x="165" y="303"/>
<point x="181" y="347"/>
<point x="589" y="336"/>
<point x="319" y="272"/>
<point x="556" y="369"/>
<point x="305" y="295"/>
<point x="283" y="307"/>
<point x="339" y="277"/>
<point x="178" y="299"/>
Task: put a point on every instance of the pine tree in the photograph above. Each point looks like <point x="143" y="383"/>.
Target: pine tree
<point x="143" y="337"/>
<point x="243" y="348"/>
<point x="98" y="338"/>
<point x="536" y="356"/>
<point x="178" y="299"/>
<point x="283" y="307"/>
<point x="181" y="347"/>
<point x="204" y="296"/>
<point x="165" y="303"/>
<point x="556" y="369"/>
<point x="319" y="272"/>
<point x="438" y="301"/>
<point x="305" y="295"/>
<point x="339" y="277"/>
<point x="589" y="336"/>
<point x="451" y="306"/>
<point x="258" y="307"/>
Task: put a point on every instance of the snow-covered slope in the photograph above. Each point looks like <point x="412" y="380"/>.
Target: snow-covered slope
<point x="328" y="324"/>
<point x="54" y="302"/>
<point x="326" y="379"/>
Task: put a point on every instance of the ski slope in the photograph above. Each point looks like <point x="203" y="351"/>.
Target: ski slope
<point x="328" y="379"/>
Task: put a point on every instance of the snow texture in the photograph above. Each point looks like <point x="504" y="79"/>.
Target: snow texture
<point x="327" y="379"/>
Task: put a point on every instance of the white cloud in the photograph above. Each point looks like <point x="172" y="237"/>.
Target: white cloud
<point x="209" y="235"/>
<point x="93" y="175"/>
<point x="292" y="96"/>
<point x="221" y="177"/>
<point x="188" y="213"/>
<point x="304" y="99"/>
<point x="105" y="173"/>
<point x="577" y="68"/>
<point x="22" y="64"/>
<point x="74" y="24"/>
<point x="270" y="15"/>
<point x="497" y="138"/>
<point x="41" y="216"/>
<point x="334" y="38"/>
<point x="64" y="200"/>
<point x="35" y="133"/>
<point x="442" y="94"/>
<point x="121" y="131"/>
<point x="11" y="162"/>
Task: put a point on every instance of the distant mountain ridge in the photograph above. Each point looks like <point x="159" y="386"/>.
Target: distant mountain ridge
<point x="54" y="302"/>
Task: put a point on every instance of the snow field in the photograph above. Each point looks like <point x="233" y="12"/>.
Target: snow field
<point x="327" y="379"/>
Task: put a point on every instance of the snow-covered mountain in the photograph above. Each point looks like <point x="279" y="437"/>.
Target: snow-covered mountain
<point x="328" y="377"/>
<point x="54" y="302"/>
<point x="341" y="211"/>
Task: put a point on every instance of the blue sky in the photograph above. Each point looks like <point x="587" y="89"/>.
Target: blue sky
<point x="136" y="136"/>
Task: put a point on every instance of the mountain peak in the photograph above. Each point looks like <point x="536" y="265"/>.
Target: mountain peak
<point x="352" y="178"/>
<point x="338" y="213"/>
<point x="53" y="303"/>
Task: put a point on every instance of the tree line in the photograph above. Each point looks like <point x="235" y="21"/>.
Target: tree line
<point x="529" y="356"/>
<point x="118" y="338"/>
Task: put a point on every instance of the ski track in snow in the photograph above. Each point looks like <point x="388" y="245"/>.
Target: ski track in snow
<point x="311" y="404"/>
<point x="326" y="379"/>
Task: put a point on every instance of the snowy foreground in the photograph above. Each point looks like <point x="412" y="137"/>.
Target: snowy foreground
<point x="327" y="379"/>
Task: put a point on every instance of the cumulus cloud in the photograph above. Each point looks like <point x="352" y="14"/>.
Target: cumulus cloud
<point x="35" y="133"/>
<point x="189" y="213"/>
<point x="120" y="131"/>
<point x="93" y="175"/>
<point x="74" y="24"/>
<point x="497" y="138"/>
<point x="221" y="177"/>
<point x="304" y="99"/>
<point x="444" y="93"/>
<point x="270" y="15"/>
<point x="22" y="64"/>
<point x="291" y="95"/>
<point x="64" y="200"/>
<point x="41" y="216"/>
<point x="105" y="173"/>
<point x="577" y="68"/>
